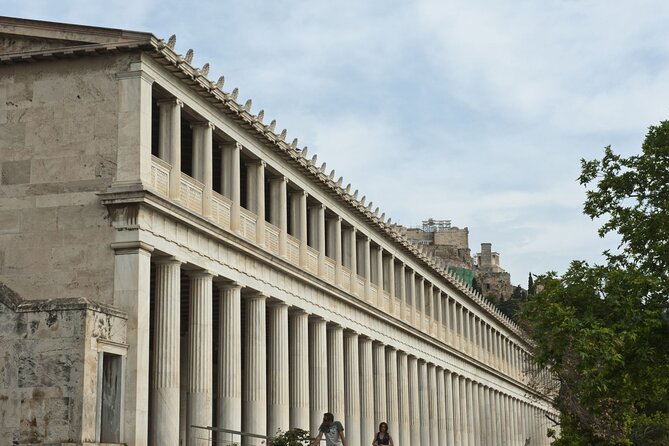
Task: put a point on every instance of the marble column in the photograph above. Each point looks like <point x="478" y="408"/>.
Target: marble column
<point x="300" y="218"/>
<point x="424" y="403"/>
<point x="132" y="271"/>
<point x="229" y="411"/>
<point x="335" y="361"/>
<point x="164" y="423"/>
<point x="320" y="223"/>
<point x="404" y="426"/>
<point x="380" y="277"/>
<point x="441" y="407"/>
<point x="299" y="369"/>
<point x="380" y="407"/>
<point x="432" y="404"/>
<point x="450" y="416"/>
<point x="477" y="428"/>
<point x="470" y="413"/>
<point x="279" y="211"/>
<point x="278" y="400"/>
<point x="256" y="196"/>
<point x="483" y="416"/>
<point x="318" y="373"/>
<point x="254" y="407"/>
<point x="413" y="304"/>
<point x="458" y="407"/>
<point x="353" y="243"/>
<point x="338" y="250"/>
<point x="230" y="182"/>
<point x="461" y="328"/>
<point x="391" y="284"/>
<point x="367" y="268"/>
<point x="440" y="317"/>
<point x="352" y="387"/>
<point x="367" y="428"/>
<point x="421" y="304"/>
<point x="403" y="292"/>
<point x="169" y="140"/>
<point x="414" y="403"/>
<point x="392" y="396"/>
<point x="200" y="329"/>
<point x="203" y="167"/>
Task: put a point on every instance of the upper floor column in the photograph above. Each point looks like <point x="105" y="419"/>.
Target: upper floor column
<point x="334" y="245"/>
<point x="202" y="161"/>
<point x="391" y="284"/>
<point x="367" y="266"/>
<point x="298" y="204"/>
<point x="320" y="237"/>
<point x="379" y="276"/>
<point x="255" y="197"/>
<point x="279" y="210"/>
<point x="169" y="141"/>
<point x="230" y="181"/>
<point x="353" y="243"/>
<point x="403" y="292"/>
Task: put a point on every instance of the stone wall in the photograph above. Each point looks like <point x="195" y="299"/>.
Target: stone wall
<point x="58" y="139"/>
<point x="48" y="367"/>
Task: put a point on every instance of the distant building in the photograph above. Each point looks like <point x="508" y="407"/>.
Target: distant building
<point x="451" y="244"/>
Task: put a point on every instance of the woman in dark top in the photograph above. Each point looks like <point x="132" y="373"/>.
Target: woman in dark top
<point x="382" y="436"/>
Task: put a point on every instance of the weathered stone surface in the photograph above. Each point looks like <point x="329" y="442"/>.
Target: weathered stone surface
<point x="16" y="172"/>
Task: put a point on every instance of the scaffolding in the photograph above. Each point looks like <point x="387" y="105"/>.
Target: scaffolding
<point x="432" y="225"/>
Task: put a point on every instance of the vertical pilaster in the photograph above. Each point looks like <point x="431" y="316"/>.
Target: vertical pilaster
<point x="391" y="389"/>
<point x="352" y="387"/>
<point x="318" y="368"/>
<point x="299" y="369"/>
<point x="279" y="211"/>
<point x="414" y="403"/>
<point x="404" y="425"/>
<point x="424" y="403"/>
<point x="278" y="400"/>
<point x="229" y="411"/>
<point x="254" y="408"/>
<point x="165" y="378"/>
<point x="367" y="427"/>
<point x="200" y="329"/>
<point x="380" y="405"/>
<point x="336" y="370"/>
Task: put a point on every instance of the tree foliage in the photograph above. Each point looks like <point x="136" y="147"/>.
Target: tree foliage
<point x="292" y="437"/>
<point x="603" y="330"/>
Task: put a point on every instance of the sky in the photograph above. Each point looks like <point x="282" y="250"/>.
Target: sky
<point x="473" y="111"/>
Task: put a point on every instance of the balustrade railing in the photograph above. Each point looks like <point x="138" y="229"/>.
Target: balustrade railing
<point x="272" y="238"/>
<point x="247" y="224"/>
<point x="220" y="210"/>
<point x="160" y="175"/>
<point x="312" y="260"/>
<point x="293" y="249"/>
<point x="190" y="193"/>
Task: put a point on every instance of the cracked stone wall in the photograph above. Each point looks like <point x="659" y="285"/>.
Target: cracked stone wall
<point x="48" y="367"/>
<point x="58" y="139"/>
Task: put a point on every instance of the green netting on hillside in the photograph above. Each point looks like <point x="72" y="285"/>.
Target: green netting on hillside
<point x="465" y="274"/>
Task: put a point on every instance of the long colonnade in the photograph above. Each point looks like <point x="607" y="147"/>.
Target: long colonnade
<point x="226" y="232"/>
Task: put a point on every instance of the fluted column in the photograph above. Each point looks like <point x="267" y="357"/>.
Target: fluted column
<point x="464" y="411"/>
<point x="229" y="358"/>
<point x="367" y="268"/>
<point x="169" y="140"/>
<point x="450" y="410"/>
<point x="278" y="400"/>
<point x="440" y="317"/>
<point x="299" y="369"/>
<point x="353" y="243"/>
<point x="230" y="182"/>
<point x="403" y="293"/>
<point x="299" y="204"/>
<point x="255" y="180"/>
<point x="380" y="276"/>
<point x="489" y="420"/>
<point x="318" y="373"/>
<point x="164" y="423"/>
<point x="414" y="402"/>
<point x="337" y="250"/>
<point x="254" y="407"/>
<point x="320" y="236"/>
<point x="279" y="211"/>
<point x="483" y="416"/>
<point x="421" y="304"/>
<point x="460" y="327"/>
<point x="457" y="412"/>
<point x="380" y="407"/>
<point x="404" y="427"/>
<point x="391" y="389"/>
<point x="336" y="370"/>
<point x="391" y="284"/>
<point x="470" y="413"/>
<point x="367" y="428"/>
<point x="424" y="403"/>
<point x="352" y="387"/>
<point x="447" y="320"/>
<point x="441" y="407"/>
<point x="476" y="425"/>
<point x="200" y="327"/>
<point x="414" y="299"/>
<point x="432" y="404"/>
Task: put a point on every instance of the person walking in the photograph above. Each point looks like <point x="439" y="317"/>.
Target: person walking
<point x="382" y="436"/>
<point x="333" y="431"/>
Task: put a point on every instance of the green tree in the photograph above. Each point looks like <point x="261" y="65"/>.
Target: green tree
<point x="603" y="330"/>
<point x="530" y="285"/>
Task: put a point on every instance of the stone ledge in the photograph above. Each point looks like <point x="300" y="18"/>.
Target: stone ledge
<point x="14" y="302"/>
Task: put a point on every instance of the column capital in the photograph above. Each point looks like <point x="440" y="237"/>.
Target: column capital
<point x="167" y="260"/>
<point x="278" y="179"/>
<point x="224" y="284"/>
<point x="200" y="273"/>
<point x="276" y="303"/>
<point x="297" y="310"/>
<point x="299" y="192"/>
<point x="131" y="247"/>
<point x="258" y="162"/>
<point x="257" y="295"/>
<point x="350" y="332"/>
<point x="199" y="124"/>
<point x="170" y="101"/>
<point x="379" y="247"/>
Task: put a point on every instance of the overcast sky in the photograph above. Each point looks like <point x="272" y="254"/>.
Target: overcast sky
<point x="474" y="111"/>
